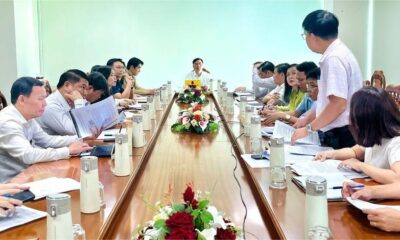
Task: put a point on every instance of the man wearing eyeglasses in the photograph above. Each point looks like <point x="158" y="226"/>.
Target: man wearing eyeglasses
<point x="340" y="78"/>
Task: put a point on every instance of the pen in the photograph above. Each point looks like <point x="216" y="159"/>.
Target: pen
<point x="108" y="135"/>
<point x="7" y="195"/>
<point x="355" y="187"/>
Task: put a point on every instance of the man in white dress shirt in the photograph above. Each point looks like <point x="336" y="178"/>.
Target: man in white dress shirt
<point x="22" y="140"/>
<point x="340" y="79"/>
<point x="71" y="92"/>
<point x="198" y="73"/>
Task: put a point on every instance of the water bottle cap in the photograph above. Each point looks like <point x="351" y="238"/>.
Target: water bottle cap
<point x="137" y="118"/>
<point x="58" y="204"/>
<point x="121" y="138"/>
<point x="277" y="141"/>
<point x="255" y="119"/>
<point x="169" y="82"/>
<point x="145" y="106"/>
<point x="249" y="108"/>
<point x="316" y="186"/>
<point x="89" y="163"/>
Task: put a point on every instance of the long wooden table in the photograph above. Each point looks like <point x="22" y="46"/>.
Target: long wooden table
<point x="206" y="161"/>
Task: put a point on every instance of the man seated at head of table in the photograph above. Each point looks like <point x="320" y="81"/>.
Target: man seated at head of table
<point x="22" y="141"/>
<point x="198" y="73"/>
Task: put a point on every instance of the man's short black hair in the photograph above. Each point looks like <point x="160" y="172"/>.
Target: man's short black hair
<point x="23" y="86"/>
<point x="134" y="62"/>
<point x="196" y="59"/>
<point x="98" y="82"/>
<point x="314" y="74"/>
<point x="306" y="67"/>
<point x="322" y="24"/>
<point x="105" y="71"/>
<point x="373" y="116"/>
<point x="72" y="75"/>
<point x="111" y="61"/>
<point x="266" y="66"/>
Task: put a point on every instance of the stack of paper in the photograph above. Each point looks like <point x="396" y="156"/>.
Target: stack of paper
<point x="53" y="185"/>
<point x="21" y="216"/>
<point x="327" y="169"/>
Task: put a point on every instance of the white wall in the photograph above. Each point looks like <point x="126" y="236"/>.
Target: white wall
<point x="386" y="47"/>
<point x="28" y="63"/>
<point x="167" y="35"/>
<point x="353" y="29"/>
<point x="8" y="58"/>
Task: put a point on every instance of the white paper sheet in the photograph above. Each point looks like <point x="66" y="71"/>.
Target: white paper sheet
<point x="53" y="185"/>
<point x="101" y="115"/>
<point x="254" y="163"/>
<point x="141" y="99"/>
<point x="110" y="133"/>
<point x="360" y="204"/>
<point x="326" y="167"/>
<point x="137" y="106"/>
<point x="284" y="130"/>
<point x="21" y="216"/>
<point x="310" y="150"/>
<point x="331" y="181"/>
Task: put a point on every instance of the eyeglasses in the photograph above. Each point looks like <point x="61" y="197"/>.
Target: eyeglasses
<point x="311" y="86"/>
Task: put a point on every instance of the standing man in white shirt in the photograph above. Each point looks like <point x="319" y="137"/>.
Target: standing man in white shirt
<point x="340" y="79"/>
<point x="198" y="73"/>
<point x="71" y="92"/>
<point x="22" y="140"/>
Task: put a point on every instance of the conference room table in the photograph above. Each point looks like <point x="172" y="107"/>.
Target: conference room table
<point x="168" y="162"/>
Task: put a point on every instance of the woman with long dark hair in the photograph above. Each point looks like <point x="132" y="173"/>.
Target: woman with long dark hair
<point x="375" y="126"/>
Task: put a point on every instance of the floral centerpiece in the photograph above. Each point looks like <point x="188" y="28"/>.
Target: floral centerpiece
<point x="192" y="219"/>
<point x="193" y="94"/>
<point x="195" y="120"/>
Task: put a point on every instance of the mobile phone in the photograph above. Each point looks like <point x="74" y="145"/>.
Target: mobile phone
<point x="24" y="196"/>
<point x="257" y="156"/>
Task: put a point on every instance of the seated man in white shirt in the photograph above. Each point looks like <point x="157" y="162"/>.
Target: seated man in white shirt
<point x="262" y="79"/>
<point x="22" y="140"/>
<point x="198" y="73"/>
<point x="134" y="66"/>
<point x="71" y="90"/>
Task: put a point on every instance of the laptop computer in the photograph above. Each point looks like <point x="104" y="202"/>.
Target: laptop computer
<point x="103" y="150"/>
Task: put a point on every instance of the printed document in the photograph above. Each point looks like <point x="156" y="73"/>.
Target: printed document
<point x="286" y="131"/>
<point x="21" y="216"/>
<point x="100" y="115"/>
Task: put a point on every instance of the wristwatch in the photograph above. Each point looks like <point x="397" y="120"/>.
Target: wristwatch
<point x="309" y="128"/>
<point x="287" y="117"/>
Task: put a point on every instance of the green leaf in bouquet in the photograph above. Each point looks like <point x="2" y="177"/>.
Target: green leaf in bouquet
<point x="195" y="213"/>
<point x="206" y="217"/>
<point x="160" y="224"/>
<point x="203" y="204"/>
<point x="178" y="207"/>
<point x="213" y="127"/>
<point x="177" y="127"/>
